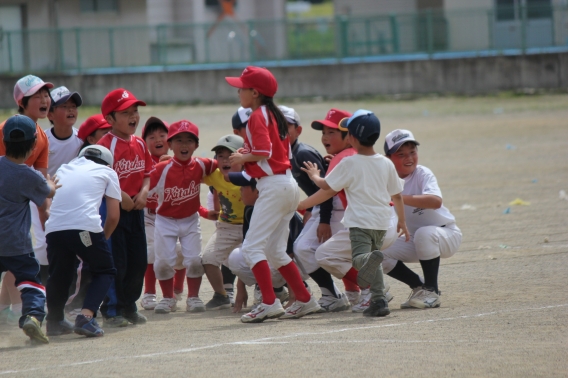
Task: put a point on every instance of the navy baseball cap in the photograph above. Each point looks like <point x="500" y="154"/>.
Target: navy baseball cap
<point x="241" y="179"/>
<point x="397" y="138"/>
<point x="362" y="125"/>
<point x="21" y="123"/>
<point x="241" y="117"/>
<point x="60" y="96"/>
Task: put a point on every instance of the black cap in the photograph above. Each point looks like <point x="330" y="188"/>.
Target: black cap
<point x="241" y="179"/>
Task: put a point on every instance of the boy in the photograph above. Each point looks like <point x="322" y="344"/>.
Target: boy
<point x="319" y="223"/>
<point x="32" y="97"/>
<point x="177" y="183"/>
<point x="19" y="185"/>
<point x="74" y="229"/>
<point x="132" y="163"/>
<point x="368" y="214"/>
<point x="229" y="226"/>
<point x="433" y="229"/>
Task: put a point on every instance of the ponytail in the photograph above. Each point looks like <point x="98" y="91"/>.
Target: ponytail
<point x="278" y="116"/>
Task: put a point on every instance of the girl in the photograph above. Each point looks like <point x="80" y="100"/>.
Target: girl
<point x="266" y="157"/>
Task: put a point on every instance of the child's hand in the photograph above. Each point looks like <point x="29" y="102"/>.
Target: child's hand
<point x="54" y="181"/>
<point x="127" y="203"/>
<point x="291" y="298"/>
<point x="212" y="215"/>
<point x="236" y="158"/>
<point x="323" y="232"/>
<point x="311" y="169"/>
<point x="140" y="200"/>
<point x="241" y="297"/>
<point x="328" y="158"/>
<point x="402" y="230"/>
<point x="301" y="206"/>
<point x="165" y="157"/>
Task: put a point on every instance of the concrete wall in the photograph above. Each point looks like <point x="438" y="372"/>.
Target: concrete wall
<point x="446" y="76"/>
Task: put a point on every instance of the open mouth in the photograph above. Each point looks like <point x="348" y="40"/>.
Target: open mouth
<point x="225" y="167"/>
<point x="43" y="109"/>
<point x="184" y="153"/>
<point x="71" y="116"/>
<point x="159" y="146"/>
<point x="132" y="124"/>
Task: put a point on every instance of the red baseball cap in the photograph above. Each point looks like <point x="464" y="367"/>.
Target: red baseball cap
<point x="332" y="119"/>
<point x="92" y="124"/>
<point x="154" y="120"/>
<point x="183" y="126"/>
<point x="119" y="99"/>
<point x="257" y="78"/>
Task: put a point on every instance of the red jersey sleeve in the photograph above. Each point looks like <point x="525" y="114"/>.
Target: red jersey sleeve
<point x="156" y="173"/>
<point x="258" y="133"/>
<point x="210" y="165"/>
<point x="149" y="161"/>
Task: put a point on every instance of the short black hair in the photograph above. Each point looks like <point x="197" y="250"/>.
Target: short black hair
<point x="18" y="150"/>
<point x="344" y="134"/>
<point x="26" y="99"/>
<point x="253" y="184"/>
<point x="153" y="127"/>
<point x="370" y="141"/>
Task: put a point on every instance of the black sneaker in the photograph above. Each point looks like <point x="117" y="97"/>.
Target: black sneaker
<point x="135" y="318"/>
<point x="218" y="302"/>
<point x="58" y="328"/>
<point x="87" y="327"/>
<point x="377" y="308"/>
<point x="115" y="322"/>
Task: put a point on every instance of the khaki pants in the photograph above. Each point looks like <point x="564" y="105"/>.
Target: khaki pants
<point x="363" y="242"/>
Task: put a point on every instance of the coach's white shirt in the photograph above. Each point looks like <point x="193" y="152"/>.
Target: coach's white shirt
<point x="76" y="204"/>
<point x="423" y="181"/>
<point x="369" y="182"/>
<point x="62" y="151"/>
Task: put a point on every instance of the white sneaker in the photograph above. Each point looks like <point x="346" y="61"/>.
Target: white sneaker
<point x="329" y="303"/>
<point x="388" y="296"/>
<point x="364" y="301"/>
<point x="282" y="295"/>
<point x="148" y="301"/>
<point x="231" y="295"/>
<point x="353" y="297"/>
<point x="194" y="304"/>
<point x="166" y="306"/>
<point x="425" y="299"/>
<point x="413" y="292"/>
<point x="72" y="315"/>
<point x="263" y="312"/>
<point x="299" y="309"/>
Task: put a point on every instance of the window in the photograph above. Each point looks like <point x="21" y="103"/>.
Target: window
<point x="99" y="5"/>
<point x="505" y="10"/>
<point x="539" y="9"/>
<point x="509" y="10"/>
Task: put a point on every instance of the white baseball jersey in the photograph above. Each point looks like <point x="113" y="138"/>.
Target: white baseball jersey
<point x="62" y="151"/>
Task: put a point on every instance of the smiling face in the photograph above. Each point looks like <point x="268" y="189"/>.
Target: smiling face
<point x="225" y="166"/>
<point x="183" y="145"/>
<point x="124" y="122"/>
<point x="405" y="159"/>
<point x="333" y="141"/>
<point x="64" y="115"/>
<point x="157" y="142"/>
<point x="38" y="105"/>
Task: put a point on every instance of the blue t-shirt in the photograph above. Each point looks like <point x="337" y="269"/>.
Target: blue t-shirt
<point x="19" y="184"/>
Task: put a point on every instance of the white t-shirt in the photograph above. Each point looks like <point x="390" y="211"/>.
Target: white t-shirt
<point x="76" y="204"/>
<point x="423" y="181"/>
<point x="62" y="151"/>
<point x="369" y="182"/>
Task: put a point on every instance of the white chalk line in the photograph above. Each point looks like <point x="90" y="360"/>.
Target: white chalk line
<point x="272" y="340"/>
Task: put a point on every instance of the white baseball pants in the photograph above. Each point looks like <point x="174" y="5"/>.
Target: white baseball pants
<point x="267" y="236"/>
<point x="149" y="224"/>
<point x="427" y="243"/>
<point x="226" y="237"/>
<point x="166" y="234"/>
<point x="38" y="236"/>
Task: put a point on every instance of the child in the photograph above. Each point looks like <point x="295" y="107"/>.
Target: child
<point x="433" y="229"/>
<point x="132" y="163"/>
<point x="177" y="183"/>
<point x="319" y="223"/>
<point x="74" y="229"/>
<point x="266" y="158"/>
<point x="93" y="129"/>
<point x="155" y="134"/>
<point x="369" y="181"/>
<point x="228" y="234"/>
<point x="19" y="185"/>
<point x="32" y="97"/>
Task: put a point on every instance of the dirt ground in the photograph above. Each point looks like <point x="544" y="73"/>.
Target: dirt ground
<point x="504" y="306"/>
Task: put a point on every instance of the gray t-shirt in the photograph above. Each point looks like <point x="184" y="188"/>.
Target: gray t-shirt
<point x="19" y="184"/>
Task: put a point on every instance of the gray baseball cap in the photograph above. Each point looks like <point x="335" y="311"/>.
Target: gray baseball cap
<point x="290" y="114"/>
<point x="230" y="141"/>
<point x="98" y="154"/>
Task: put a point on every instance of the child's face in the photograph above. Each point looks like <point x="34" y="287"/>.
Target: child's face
<point x="332" y="140"/>
<point x="157" y="142"/>
<point x="125" y="122"/>
<point x="225" y="166"/>
<point x="242" y="132"/>
<point x="247" y="97"/>
<point x="405" y="159"/>
<point x="38" y="105"/>
<point x="97" y="135"/>
<point x="294" y="132"/>
<point x="248" y="195"/>
<point x="183" y="145"/>
<point x="64" y="114"/>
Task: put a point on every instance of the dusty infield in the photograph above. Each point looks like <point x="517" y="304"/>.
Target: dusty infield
<point x="504" y="305"/>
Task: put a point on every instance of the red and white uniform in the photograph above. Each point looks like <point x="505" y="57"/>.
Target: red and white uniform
<point x="152" y="201"/>
<point x="177" y="185"/>
<point x="261" y="135"/>
<point x="132" y="161"/>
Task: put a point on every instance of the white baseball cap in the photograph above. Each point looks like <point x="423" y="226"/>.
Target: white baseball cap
<point x="29" y="85"/>
<point x="397" y="138"/>
<point x="241" y="117"/>
<point x="60" y="95"/>
<point x="290" y="114"/>
<point x="97" y="152"/>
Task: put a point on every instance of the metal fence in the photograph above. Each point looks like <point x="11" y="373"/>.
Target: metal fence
<point x="181" y="45"/>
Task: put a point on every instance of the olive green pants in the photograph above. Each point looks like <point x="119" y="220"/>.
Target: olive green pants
<point x="363" y="242"/>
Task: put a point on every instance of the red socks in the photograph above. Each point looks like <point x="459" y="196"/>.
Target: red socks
<point x="179" y="279"/>
<point x="167" y="287"/>
<point x="193" y="285"/>
<point x="150" y="280"/>
<point x="350" y="280"/>
<point x="292" y="276"/>
<point x="261" y="272"/>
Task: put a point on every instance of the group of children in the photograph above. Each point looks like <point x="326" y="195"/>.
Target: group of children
<point x="130" y="213"/>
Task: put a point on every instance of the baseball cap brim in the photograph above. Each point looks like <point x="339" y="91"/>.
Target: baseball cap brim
<point x="240" y="178"/>
<point x="319" y="124"/>
<point x="232" y="149"/>
<point x="170" y="137"/>
<point x="153" y="120"/>
<point x="75" y="96"/>
<point x="128" y="103"/>
<point x="398" y="144"/>
<point x="342" y="125"/>
<point x="236" y="82"/>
